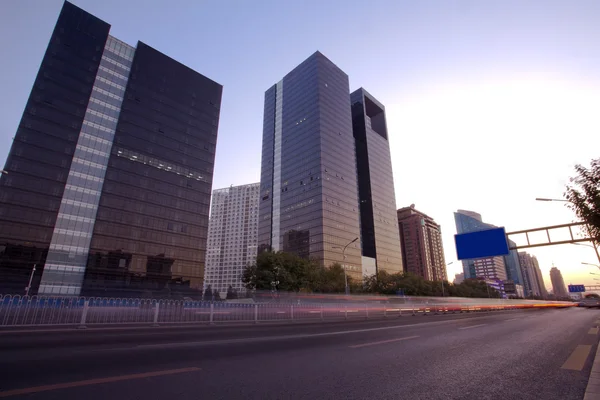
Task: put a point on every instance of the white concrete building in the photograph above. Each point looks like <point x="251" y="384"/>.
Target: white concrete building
<point x="232" y="237"/>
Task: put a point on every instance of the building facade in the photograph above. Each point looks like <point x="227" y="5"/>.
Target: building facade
<point x="232" y="237"/>
<point x="377" y="200"/>
<point x="558" y="284"/>
<point x="309" y="200"/>
<point x="470" y="221"/>
<point x="540" y="278"/>
<point x="492" y="268"/>
<point x="533" y="280"/>
<point x="110" y="172"/>
<point x="513" y="266"/>
<point x="421" y="242"/>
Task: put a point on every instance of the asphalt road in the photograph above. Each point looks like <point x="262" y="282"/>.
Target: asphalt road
<point x="531" y="354"/>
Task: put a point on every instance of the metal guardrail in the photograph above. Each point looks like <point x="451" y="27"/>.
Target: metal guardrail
<point x="79" y="311"/>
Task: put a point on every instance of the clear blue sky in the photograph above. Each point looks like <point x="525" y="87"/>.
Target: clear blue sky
<point x="490" y="103"/>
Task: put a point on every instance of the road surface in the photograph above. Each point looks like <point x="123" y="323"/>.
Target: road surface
<point x="530" y="354"/>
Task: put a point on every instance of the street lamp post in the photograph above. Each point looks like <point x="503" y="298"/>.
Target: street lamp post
<point x="347" y="289"/>
<point x="450" y="263"/>
<point x="30" y="280"/>
<point x="593" y="265"/>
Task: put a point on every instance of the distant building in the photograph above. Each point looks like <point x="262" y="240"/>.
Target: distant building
<point x="540" y="278"/>
<point x="533" y="281"/>
<point x="498" y="285"/>
<point x="490" y="268"/>
<point x="558" y="284"/>
<point x="232" y="236"/>
<point x="519" y="291"/>
<point x="470" y="221"/>
<point x="459" y="278"/>
<point x="513" y="266"/>
<point x="421" y="239"/>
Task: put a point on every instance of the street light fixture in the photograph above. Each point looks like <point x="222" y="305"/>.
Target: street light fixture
<point x="593" y="265"/>
<point x="593" y="273"/>
<point x="450" y="263"/>
<point x="547" y="199"/>
<point x="3" y="171"/>
<point x="344" y="267"/>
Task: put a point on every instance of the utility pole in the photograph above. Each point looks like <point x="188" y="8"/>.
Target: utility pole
<point x="30" y="280"/>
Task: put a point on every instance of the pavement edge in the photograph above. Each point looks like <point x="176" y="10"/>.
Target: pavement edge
<point x="592" y="391"/>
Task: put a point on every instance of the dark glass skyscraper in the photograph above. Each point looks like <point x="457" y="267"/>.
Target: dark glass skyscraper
<point x="110" y="173"/>
<point x="377" y="200"/>
<point x="309" y="193"/>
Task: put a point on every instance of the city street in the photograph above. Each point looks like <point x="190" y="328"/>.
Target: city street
<point x="530" y="354"/>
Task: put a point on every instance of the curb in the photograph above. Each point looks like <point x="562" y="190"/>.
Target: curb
<point x="592" y="391"/>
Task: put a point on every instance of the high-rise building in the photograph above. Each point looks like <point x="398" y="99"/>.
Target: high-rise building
<point x="110" y="171"/>
<point x="232" y="236"/>
<point x="490" y="268"/>
<point x="421" y="239"/>
<point x="558" y="284"/>
<point x="539" y="278"/>
<point x="532" y="275"/>
<point x="530" y="281"/>
<point x="309" y="201"/>
<point x="513" y="267"/>
<point x="377" y="202"/>
<point x="469" y="221"/>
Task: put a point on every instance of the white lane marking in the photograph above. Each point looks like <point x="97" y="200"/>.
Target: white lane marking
<point x="300" y="336"/>
<point x="472" y="326"/>
<point x="512" y="319"/>
<point x="356" y="346"/>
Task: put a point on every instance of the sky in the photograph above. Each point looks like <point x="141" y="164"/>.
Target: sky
<point x="489" y="104"/>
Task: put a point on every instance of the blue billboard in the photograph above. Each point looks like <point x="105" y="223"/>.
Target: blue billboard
<point x="576" y="288"/>
<point x="481" y="244"/>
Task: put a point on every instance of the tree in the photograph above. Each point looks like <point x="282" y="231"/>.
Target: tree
<point x="592" y="296"/>
<point x="208" y="293"/>
<point x="216" y="296"/>
<point x="583" y="194"/>
<point x="231" y="293"/>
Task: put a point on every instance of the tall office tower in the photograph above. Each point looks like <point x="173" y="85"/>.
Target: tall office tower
<point x="309" y="193"/>
<point x="539" y="278"/>
<point x="469" y="221"/>
<point x="513" y="266"/>
<point x="232" y="236"/>
<point x="532" y="275"/>
<point x="377" y="201"/>
<point x="558" y="283"/>
<point x="529" y="285"/>
<point x="110" y="172"/>
<point x="422" y="250"/>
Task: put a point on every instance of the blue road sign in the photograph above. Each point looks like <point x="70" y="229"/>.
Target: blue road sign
<point x="481" y="244"/>
<point x="576" y="288"/>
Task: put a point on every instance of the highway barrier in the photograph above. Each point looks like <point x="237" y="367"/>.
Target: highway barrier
<point x="83" y="312"/>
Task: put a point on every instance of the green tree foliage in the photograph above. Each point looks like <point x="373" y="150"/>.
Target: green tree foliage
<point x="414" y="285"/>
<point x="208" y="293"/>
<point x="293" y="274"/>
<point x="231" y="293"/>
<point x="592" y="296"/>
<point x="583" y="194"/>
